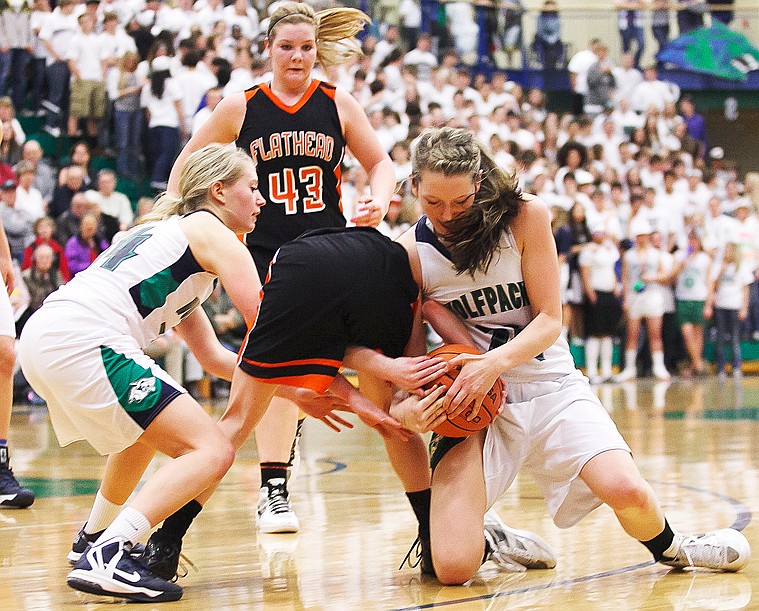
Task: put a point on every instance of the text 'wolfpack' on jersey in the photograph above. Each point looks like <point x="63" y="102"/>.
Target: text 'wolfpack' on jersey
<point x="493" y="305"/>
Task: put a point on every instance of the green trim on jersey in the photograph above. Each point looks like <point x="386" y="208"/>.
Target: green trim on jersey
<point x="155" y="290"/>
<point x="136" y="387"/>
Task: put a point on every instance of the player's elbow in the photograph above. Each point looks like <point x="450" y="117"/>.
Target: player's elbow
<point x="551" y="326"/>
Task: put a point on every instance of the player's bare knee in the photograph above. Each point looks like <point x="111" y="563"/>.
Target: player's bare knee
<point x="627" y="493"/>
<point x="221" y="455"/>
<point x="456" y="564"/>
<point x="454" y="572"/>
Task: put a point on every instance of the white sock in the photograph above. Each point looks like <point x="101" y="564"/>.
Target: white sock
<point x="658" y="360"/>
<point x="592" y="347"/>
<point x="130" y="525"/>
<point x="674" y="547"/>
<point x="103" y="512"/>
<point x="607" y="353"/>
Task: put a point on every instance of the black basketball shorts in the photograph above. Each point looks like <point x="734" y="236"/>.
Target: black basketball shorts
<point x="326" y="290"/>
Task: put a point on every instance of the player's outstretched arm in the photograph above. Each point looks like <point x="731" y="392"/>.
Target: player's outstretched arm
<point x="370" y="414"/>
<point x="408" y="373"/>
<point x="318" y="405"/>
<point x="197" y="332"/>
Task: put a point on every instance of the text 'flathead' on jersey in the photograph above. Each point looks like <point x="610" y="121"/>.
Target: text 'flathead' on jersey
<point x="293" y="143"/>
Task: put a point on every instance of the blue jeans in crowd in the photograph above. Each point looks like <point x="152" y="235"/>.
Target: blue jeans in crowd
<point x="633" y="34"/>
<point x="58" y="76"/>
<point x="13" y="75"/>
<point x="38" y="82"/>
<point x="728" y="327"/>
<point x="164" y="148"/>
<point x="128" y="132"/>
<point x="661" y="35"/>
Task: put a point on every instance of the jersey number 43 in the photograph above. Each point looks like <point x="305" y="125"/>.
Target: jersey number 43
<point x="284" y="188"/>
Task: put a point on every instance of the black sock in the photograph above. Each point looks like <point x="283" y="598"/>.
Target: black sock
<point x="488" y="551"/>
<point x="661" y="542"/>
<point x="176" y="525"/>
<point x="420" y="503"/>
<point x="272" y="470"/>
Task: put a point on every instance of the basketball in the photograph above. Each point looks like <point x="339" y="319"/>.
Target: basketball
<point x="459" y="426"/>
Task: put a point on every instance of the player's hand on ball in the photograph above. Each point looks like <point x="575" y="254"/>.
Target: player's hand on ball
<point x="471" y="386"/>
<point x="411" y="373"/>
<point x="421" y="415"/>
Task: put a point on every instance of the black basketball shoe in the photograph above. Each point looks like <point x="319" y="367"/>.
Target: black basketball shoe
<point x="12" y="494"/>
<point x="162" y="557"/>
<point x="108" y="569"/>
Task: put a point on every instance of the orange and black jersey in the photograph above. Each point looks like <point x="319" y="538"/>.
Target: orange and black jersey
<point x="327" y="290"/>
<point x="298" y="150"/>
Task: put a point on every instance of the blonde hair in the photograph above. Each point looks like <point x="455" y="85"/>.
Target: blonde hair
<point x="474" y="237"/>
<point x="732" y="254"/>
<point x="206" y="166"/>
<point x="335" y="30"/>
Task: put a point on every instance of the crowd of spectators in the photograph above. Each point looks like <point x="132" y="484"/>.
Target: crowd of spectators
<point x="133" y="79"/>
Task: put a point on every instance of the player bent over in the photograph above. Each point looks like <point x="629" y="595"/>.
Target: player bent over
<point x="329" y="292"/>
<point x="486" y="252"/>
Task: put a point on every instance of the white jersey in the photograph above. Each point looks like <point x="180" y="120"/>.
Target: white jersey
<point x="693" y="281"/>
<point x="493" y="305"/>
<point x="144" y="284"/>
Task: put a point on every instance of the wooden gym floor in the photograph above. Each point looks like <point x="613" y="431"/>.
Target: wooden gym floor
<point x="695" y="441"/>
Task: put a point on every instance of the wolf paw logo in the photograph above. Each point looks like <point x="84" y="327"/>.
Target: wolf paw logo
<point x="141" y="389"/>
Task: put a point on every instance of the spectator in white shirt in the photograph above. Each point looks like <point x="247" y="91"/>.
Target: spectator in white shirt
<point x="626" y="77"/>
<point x="578" y="68"/>
<point x="56" y="33"/>
<point x="88" y="97"/>
<point x="162" y="99"/>
<point x="697" y="194"/>
<point x="242" y="14"/>
<point x="421" y="57"/>
<point x="242" y="76"/>
<point x="385" y="45"/>
<point x="29" y="198"/>
<point x="193" y="83"/>
<point x="114" y="42"/>
<point x="410" y="14"/>
<point x="719" y="227"/>
<point x="652" y="92"/>
<point x="110" y="201"/>
<point x="209" y="15"/>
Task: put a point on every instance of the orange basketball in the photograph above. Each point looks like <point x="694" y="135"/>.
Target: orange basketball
<point x="459" y="426"/>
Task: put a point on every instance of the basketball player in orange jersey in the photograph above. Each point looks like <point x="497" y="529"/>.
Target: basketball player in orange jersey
<point x="355" y="302"/>
<point x="297" y="129"/>
<point x="485" y="251"/>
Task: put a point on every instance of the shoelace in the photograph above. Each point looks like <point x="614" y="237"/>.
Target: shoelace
<point x="184" y="565"/>
<point x="416" y="548"/>
<point x="278" y="501"/>
<point x="705" y="554"/>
